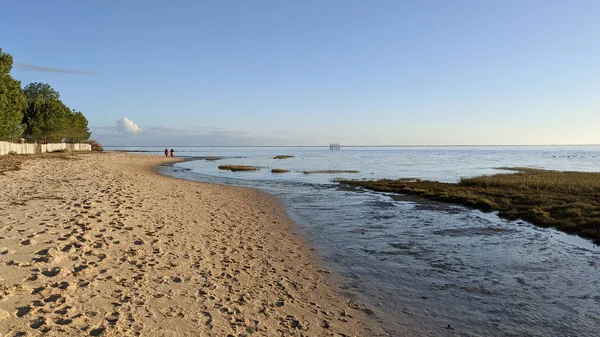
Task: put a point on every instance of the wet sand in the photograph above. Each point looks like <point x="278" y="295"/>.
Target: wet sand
<point x="100" y="245"/>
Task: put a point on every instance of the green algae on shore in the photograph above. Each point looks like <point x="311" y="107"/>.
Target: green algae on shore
<point x="283" y="157"/>
<point x="237" y="168"/>
<point x="279" y="170"/>
<point x="330" y="171"/>
<point x="567" y="201"/>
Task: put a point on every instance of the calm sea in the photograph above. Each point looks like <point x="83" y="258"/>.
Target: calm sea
<point x="427" y="268"/>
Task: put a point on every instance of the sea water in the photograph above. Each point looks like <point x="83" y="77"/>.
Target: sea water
<point x="428" y="268"/>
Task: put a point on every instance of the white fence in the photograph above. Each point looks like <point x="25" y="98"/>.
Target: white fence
<point x="6" y="148"/>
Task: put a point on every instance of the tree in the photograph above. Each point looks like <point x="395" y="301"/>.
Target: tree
<point x="77" y="128"/>
<point x="12" y="101"/>
<point x="37" y="90"/>
<point x="37" y="110"/>
<point x="46" y="117"/>
<point x="46" y="120"/>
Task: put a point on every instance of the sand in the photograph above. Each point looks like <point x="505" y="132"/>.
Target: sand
<point x="100" y="245"/>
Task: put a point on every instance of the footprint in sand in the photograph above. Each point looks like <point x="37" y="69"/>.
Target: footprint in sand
<point x="22" y="311"/>
<point x="51" y="272"/>
<point x="97" y="331"/>
<point x="53" y="298"/>
<point x="37" y="323"/>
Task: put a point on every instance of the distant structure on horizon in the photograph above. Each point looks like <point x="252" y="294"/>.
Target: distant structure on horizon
<point x="334" y="146"/>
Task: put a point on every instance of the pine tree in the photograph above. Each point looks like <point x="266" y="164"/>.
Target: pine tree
<point x="12" y="102"/>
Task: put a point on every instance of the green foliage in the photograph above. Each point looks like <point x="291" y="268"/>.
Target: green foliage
<point x="37" y="90"/>
<point x="49" y="120"/>
<point x="36" y="112"/>
<point x="567" y="201"/>
<point x="6" y="62"/>
<point x="77" y="128"/>
<point x="46" y="120"/>
<point x="12" y="102"/>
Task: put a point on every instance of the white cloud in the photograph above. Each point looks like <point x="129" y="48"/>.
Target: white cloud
<point x="126" y="125"/>
<point x="127" y="133"/>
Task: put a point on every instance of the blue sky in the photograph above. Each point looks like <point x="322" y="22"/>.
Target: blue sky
<point x="314" y="72"/>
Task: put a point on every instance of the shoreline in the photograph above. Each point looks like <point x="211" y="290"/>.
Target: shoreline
<point x="108" y="246"/>
<point x="289" y="225"/>
<point x="563" y="200"/>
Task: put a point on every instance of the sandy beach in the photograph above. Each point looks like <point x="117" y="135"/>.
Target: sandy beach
<point x="101" y="245"/>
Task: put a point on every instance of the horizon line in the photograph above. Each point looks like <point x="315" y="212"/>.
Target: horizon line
<point x="480" y="145"/>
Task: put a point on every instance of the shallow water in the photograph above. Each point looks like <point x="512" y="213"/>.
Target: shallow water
<point x="430" y="268"/>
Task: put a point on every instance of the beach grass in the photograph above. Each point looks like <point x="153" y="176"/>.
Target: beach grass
<point x="275" y="170"/>
<point x="329" y="171"/>
<point x="283" y="157"/>
<point x="567" y="201"/>
<point x="237" y="168"/>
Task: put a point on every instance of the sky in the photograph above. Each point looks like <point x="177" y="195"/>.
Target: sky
<point x="314" y="72"/>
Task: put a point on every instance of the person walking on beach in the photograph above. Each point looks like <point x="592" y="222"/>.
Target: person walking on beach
<point x="172" y="152"/>
<point x="167" y="152"/>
